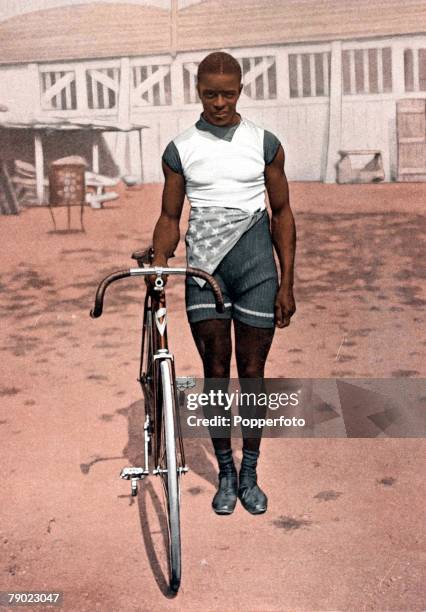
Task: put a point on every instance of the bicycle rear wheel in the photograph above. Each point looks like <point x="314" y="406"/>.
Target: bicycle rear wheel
<point x="170" y="474"/>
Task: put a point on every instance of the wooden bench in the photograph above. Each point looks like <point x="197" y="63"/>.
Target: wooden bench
<point x="370" y="172"/>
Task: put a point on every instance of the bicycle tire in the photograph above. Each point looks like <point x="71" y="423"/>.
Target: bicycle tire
<point x="171" y="477"/>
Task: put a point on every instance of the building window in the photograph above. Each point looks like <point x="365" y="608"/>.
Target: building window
<point x="309" y="74"/>
<point x="415" y="69"/>
<point x="259" y="77"/>
<point x="58" y="90"/>
<point x="367" y="71"/>
<point x="152" y="85"/>
<point x="102" y="87"/>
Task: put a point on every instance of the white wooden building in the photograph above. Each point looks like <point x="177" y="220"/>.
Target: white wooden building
<point x="323" y="76"/>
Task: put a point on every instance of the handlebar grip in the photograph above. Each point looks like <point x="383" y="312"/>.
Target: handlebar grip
<point x="220" y="305"/>
<point x="100" y="292"/>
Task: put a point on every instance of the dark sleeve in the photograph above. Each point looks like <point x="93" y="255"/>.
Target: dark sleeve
<point x="171" y="157"/>
<point x="270" y="146"/>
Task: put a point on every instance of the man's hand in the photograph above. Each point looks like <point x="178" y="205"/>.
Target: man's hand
<point x="150" y="280"/>
<point x="285" y="306"/>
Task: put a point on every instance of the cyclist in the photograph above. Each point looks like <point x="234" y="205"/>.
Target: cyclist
<point x="223" y="164"/>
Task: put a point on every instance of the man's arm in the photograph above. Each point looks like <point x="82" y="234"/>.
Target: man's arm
<point x="283" y="236"/>
<point x="166" y="232"/>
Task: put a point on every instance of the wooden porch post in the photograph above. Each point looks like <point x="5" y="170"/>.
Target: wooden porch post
<point x="39" y="166"/>
<point x="124" y="101"/>
<point x="141" y="154"/>
<point x="335" y="112"/>
<point x="176" y="78"/>
<point x="81" y="88"/>
<point x="95" y="152"/>
<point x="283" y="81"/>
<point x="398" y="69"/>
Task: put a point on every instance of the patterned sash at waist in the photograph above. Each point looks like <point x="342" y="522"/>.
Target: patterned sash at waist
<point x="212" y="233"/>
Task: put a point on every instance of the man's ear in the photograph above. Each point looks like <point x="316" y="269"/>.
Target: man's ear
<point x="241" y="89"/>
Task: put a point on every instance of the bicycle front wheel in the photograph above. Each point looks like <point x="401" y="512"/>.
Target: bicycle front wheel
<point x="170" y="474"/>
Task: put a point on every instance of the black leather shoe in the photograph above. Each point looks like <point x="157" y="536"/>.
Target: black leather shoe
<point x="252" y="497"/>
<point x="226" y="496"/>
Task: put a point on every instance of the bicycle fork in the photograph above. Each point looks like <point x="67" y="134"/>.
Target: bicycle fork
<point x="137" y="473"/>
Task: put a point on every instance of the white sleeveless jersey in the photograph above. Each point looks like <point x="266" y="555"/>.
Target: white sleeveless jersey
<point x="221" y="172"/>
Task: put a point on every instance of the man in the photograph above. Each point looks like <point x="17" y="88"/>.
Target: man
<point x="223" y="164"/>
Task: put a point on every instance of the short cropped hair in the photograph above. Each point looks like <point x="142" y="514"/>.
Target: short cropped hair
<point x="219" y="62"/>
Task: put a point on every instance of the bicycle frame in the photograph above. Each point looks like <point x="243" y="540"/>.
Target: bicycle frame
<point x="154" y="332"/>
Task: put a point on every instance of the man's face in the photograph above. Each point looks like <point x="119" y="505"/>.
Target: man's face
<point x="219" y="94"/>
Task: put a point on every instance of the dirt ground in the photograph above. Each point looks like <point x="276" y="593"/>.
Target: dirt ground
<point x="345" y="524"/>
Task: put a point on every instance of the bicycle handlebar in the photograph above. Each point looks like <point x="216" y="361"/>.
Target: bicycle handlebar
<point x="103" y="285"/>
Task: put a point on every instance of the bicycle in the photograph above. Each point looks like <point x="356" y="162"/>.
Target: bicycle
<point x="163" y="444"/>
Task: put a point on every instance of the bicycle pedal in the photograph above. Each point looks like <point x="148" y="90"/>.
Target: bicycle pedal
<point x="133" y="473"/>
<point x="185" y="382"/>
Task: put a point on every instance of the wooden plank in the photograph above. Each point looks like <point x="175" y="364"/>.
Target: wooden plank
<point x="283" y="80"/>
<point x="176" y="77"/>
<point x="10" y="203"/>
<point x="94" y="90"/>
<point x="335" y="112"/>
<point x="68" y="95"/>
<point x="135" y="153"/>
<point x="48" y="86"/>
<point x="95" y="153"/>
<point x="398" y="81"/>
<point x="106" y="88"/>
<point x="81" y="87"/>
<point x="39" y="166"/>
<point x="299" y="75"/>
<point x="380" y="70"/>
<point x="58" y="96"/>
<point x="192" y="86"/>
<point x="416" y="72"/>
<point x="312" y="74"/>
<point x="351" y="56"/>
<point x="34" y="76"/>
<point x="124" y="94"/>
<point x="365" y="68"/>
<point x="142" y="173"/>
<point x="162" y="91"/>
<point x="137" y="78"/>
<point x="251" y="85"/>
<point x="148" y="84"/>
<point x="326" y="72"/>
<point x="268" y="64"/>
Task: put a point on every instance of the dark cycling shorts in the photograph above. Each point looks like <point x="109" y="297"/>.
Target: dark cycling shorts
<point x="248" y="278"/>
